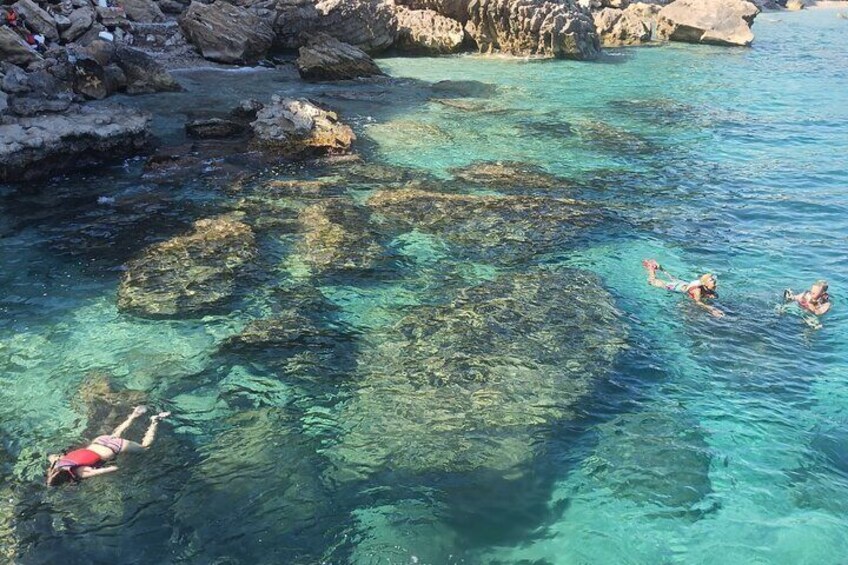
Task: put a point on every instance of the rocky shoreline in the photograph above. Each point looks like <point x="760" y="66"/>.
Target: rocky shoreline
<point x="57" y="58"/>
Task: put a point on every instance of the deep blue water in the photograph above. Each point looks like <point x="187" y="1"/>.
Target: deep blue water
<point x="676" y="437"/>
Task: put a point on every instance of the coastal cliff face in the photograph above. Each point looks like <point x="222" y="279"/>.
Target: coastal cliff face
<point x="58" y="56"/>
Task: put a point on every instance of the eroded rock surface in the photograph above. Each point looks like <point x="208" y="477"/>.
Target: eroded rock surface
<point x="462" y="386"/>
<point x="719" y="22"/>
<point x="370" y="25"/>
<point x="226" y="33"/>
<point x="631" y="26"/>
<point x="427" y="32"/>
<point x="533" y="27"/>
<point x="40" y="146"/>
<point x="508" y="175"/>
<point x="296" y="126"/>
<point x="326" y="58"/>
<point x="190" y="273"/>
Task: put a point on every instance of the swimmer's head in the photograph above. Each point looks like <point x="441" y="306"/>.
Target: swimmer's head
<point x="57" y="475"/>
<point x="708" y="281"/>
<point x="819" y="289"/>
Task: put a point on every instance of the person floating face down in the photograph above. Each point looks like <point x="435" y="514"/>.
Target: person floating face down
<point x="816" y="300"/>
<point x="88" y="462"/>
<point x="699" y="290"/>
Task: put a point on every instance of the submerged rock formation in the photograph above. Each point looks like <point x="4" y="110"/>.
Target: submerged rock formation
<point x="508" y="175"/>
<point x="718" y="22"/>
<point x="40" y="146"/>
<point x="188" y="274"/>
<point x="297" y="126"/>
<point x="427" y="32"/>
<point x="496" y="228"/>
<point x="226" y="33"/>
<point x="463" y="386"/>
<point x="533" y="27"/>
<point x="326" y="58"/>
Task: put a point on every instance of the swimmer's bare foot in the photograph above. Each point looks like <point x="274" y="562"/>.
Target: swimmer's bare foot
<point x="139" y="410"/>
<point x="651" y="265"/>
<point x="160" y="416"/>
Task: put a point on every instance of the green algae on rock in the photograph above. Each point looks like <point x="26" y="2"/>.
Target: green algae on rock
<point x="499" y="228"/>
<point x="188" y="274"/>
<point x="463" y="386"/>
<point x="508" y="175"/>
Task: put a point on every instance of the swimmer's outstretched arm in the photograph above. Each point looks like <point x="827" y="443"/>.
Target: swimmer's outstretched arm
<point x="88" y="472"/>
<point x="698" y="298"/>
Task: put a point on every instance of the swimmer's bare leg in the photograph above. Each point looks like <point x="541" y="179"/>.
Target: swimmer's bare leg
<point x="138" y="411"/>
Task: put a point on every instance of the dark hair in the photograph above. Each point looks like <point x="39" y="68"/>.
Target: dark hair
<point x="58" y="475"/>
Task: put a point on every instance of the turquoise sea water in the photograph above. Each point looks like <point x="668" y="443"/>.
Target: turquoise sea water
<point x="676" y="437"/>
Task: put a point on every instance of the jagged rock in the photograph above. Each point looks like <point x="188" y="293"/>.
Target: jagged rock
<point x="38" y="20"/>
<point x="533" y="27"/>
<point x="188" y="274"/>
<point x="453" y="9"/>
<point x="214" y="128"/>
<point x="81" y="20"/>
<point x="623" y="27"/>
<point x="226" y="33"/>
<point x="336" y="237"/>
<point x="14" y="50"/>
<point x="463" y="386"/>
<point x="146" y="11"/>
<point x="293" y="20"/>
<point x="296" y="126"/>
<point x="718" y="22"/>
<point x="41" y="146"/>
<point x="327" y="58"/>
<point x="370" y="25"/>
<point x="112" y="18"/>
<point x="143" y="73"/>
<point x="427" y="32"/>
<point x="247" y="109"/>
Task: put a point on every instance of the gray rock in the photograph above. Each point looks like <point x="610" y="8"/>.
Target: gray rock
<point x="214" y="128"/>
<point x="14" y="50"/>
<point x="143" y="73"/>
<point x="453" y="9"/>
<point x="92" y="35"/>
<point x="297" y="126"/>
<point x="37" y="19"/>
<point x="188" y="274"/>
<point x="294" y="20"/>
<point x="144" y="11"/>
<point x="533" y="27"/>
<point x="370" y="25"/>
<point x="427" y="32"/>
<point x="90" y="79"/>
<point x="15" y="79"/>
<point x="38" y="147"/>
<point x="326" y="58"/>
<point x="247" y="109"/>
<point x="623" y="27"/>
<point x="226" y="33"/>
<point x="717" y="22"/>
<point x="81" y="20"/>
<point x="4" y="102"/>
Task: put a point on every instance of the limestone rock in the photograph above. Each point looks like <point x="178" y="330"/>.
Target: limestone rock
<point x="40" y="21"/>
<point x="336" y="237"/>
<point x="718" y="22"/>
<point x="213" y="128"/>
<point x="37" y="147"/>
<point x="370" y="25"/>
<point x="14" y="50"/>
<point x="795" y="5"/>
<point x="226" y="33"/>
<point x="326" y="58"/>
<point x="293" y="20"/>
<point x="453" y="9"/>
<point x="533" y="27"/>
<point x="143" y="73"/>
<point x="188" y="274"/>
<point x="81" y="19"/>
<point x="427" y="32"/>
<point x="144" y="11"/>
<point x="622" y="27"/>
<point x="112" y="18"/>
<point x="297" y="126"/>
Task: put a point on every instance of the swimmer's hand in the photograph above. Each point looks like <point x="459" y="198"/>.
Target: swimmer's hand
<point x="160" y="416"/>
<point x="139" y="410"/>
<point x="716" y="313"/>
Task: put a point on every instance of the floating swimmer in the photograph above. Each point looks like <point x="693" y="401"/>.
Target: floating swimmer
<point x="88" y="462"/>
<point x="815" y="301"/>
<point x="698" y="290"/>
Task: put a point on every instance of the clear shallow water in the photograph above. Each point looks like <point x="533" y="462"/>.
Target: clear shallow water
<point x="668" y="437"/>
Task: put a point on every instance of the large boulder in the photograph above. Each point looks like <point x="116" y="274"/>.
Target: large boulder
<point x="188" y="274"/>
<point x="426" y="32"/>
<point x="40" y="146"/>
<point x="38" y="20"/>
<point x="624" y="27"/>
<point x="370" y="25"/>
<point x="297" y="126"/>
<point x="226" y="33"/>
<point x="717" y="22"/>
<point x="81" y="20"/>
<point x="453" y="9"/>
<point x="293" y="20"/>
<point x="14" y="50"/>
<point x="143" y="73"/>
<point x="327" y="58"/>
<point x="144" y="11"/>
<point x="533" y="27"/>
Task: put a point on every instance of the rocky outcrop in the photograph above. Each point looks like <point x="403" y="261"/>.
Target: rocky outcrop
<point x="37" y="147"/>
<point x="533" y="27"/>
<point x="453" y="9"/>
<point x="144" y="11"/>
<point x="37" y="19"/>
<point x="226" y="33"/>
<point x="426" y="32"/>
<point x="293" y="20"/>
<point x="298" y="127"/>
<point x="14" y="50"/>
<point x="718" y="22"/>
<point x="81" y="19"/>
<point x="143" y="73"/>
<point x="631" y="26"/>
<point x="326" y="58"/>
<point x="188" y="274"/>
<point x="370" y="25"/>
